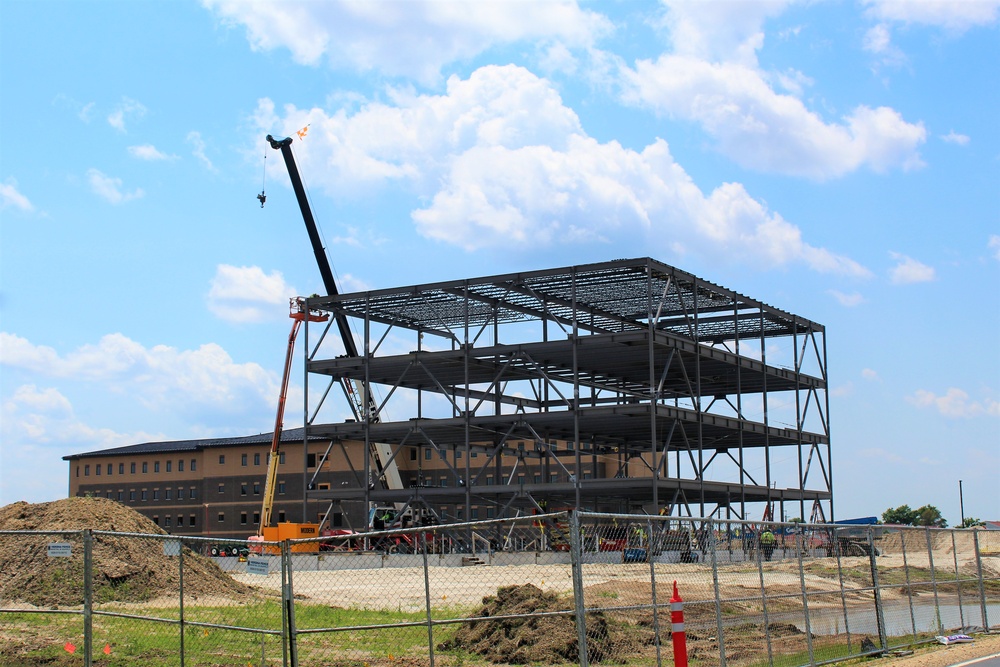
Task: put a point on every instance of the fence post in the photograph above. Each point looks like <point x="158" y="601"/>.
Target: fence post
<point x="652" y="588"/>
<point x="909" y="587"/>
<point x="718" y="597"/>
<point x="288" y="600"/>
<point x="180" y="593"/>
<point x="930" y="563"/>
<point x="979" y="573"/>
<point x="427" y="599"/>
<point x="88" y="597"/>
<point x="879" y="615"/>
<point x="805" y="602"/>
<point x="763" y="591"/>
<point x="958" y="581"/>
<point x="576" y="558"/>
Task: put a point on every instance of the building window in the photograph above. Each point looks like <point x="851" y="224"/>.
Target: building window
<point x="474" y="455"/>
<point x="427" y="454"/>
<point x="281" y="488"/>
<point x="222" y="488"/>
<point x="194" y="493"/>
<point x="413" y="453"/>
<point x="222" y="459"/>
<point x="281" y="517"/>
<point x="78" y="471"/>
<point x="168" y="494"/>
<point x="474" y="513"/>
<point x="121" y="496"/>
<point x="243" y="489"/>
<point x="338" y="519"/>
<point x="109" y="468"/>
<point x="256" y="517"/>
<point x="121" y="468"/>
<point x="281" y="458"/>
<point x="256" y="459"/>
<point x="191" y="519"/>
<point x="156" y="466"/>
<point x="169" y="464"/>
<point x="460" y="514"/>
<point x="166" y="522"/>
<point x="323" y="486"/>
<point x="145" y="467"/>
<point x="243" y="518"/>
<point x="311" y="461"/>
<point x="458" y="454"/>
<point x="194" y="465"/>
<point x="156" y="494"/>
<point x="109" y="494"/>
<point x="156" y="520"/>
<point x="256" y="488"/>
<point x="86" y="470"/>
<point x="243" y="460"/>
<point x="489" y="480"/>
<point x="222" y="517"/>
<point x="143" y="496"/>
<point x="489" y="512"/>
<point x="131" y="495"/>
<point x="180" y="519"/>
<point x="180" y="465"/>
<point x="131" y="468"/>
<point x="180" y="493"/>
<point x="97" y="469"/>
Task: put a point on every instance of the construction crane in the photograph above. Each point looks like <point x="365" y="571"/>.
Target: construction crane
<point x="362" y="402"/>
<point x="265" y="532"/>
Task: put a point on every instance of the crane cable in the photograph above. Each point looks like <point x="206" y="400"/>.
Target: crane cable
<point x="262" y="197"/>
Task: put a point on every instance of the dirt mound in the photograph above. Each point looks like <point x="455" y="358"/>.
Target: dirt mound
<point x="515" y="637"/>
<point x="125" y="568"/>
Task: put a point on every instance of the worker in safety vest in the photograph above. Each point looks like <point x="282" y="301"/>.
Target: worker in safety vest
<point x="767" y="543"/>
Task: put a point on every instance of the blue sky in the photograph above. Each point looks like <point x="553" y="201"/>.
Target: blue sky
<point x="839" y="160"/>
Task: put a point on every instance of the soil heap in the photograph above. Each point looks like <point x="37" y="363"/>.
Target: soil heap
<point x="519" y="638"/>
<point x="125" y="568"/>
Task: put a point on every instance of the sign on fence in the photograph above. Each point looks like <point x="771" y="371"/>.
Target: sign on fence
<point x="257" y="566"/>
<point x="60" y="549"/>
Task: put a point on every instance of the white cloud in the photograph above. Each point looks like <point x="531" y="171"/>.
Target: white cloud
<point x="763" y="130"/>
<point x="994" y="245"/>
<point x="954" y="138"/>
<point x="128" y="109"/>
<point x="955" y="403"/>
<point x="500" y="160"/>
<point x="36" y="427"/>
<point x="955" y="16"/>
<point x="719" y="31"/>
<point x="869" y="374"/>
<point x="149" y="152"/>
<point x="849" y="300"/>
<point x="202" y="384"/>
<point x="198" y="149"/>
<point x="110" y="188"/>
<point x="909" y="270"/>
<point x="247" y="294"/>
<point x="426" y="35"/>
<point x="11" y="196"/>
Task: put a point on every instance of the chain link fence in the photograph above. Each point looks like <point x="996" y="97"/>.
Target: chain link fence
<point x="559" y="588"/>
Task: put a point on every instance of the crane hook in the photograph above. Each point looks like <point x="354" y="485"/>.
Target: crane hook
<point x="262" y="198"/>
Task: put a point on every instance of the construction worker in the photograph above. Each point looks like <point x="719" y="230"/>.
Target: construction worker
<point x="767" y="543"/>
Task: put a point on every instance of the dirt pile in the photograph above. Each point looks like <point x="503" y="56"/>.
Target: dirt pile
<point x="517" y="635"/>
<point x="125" y="568"/>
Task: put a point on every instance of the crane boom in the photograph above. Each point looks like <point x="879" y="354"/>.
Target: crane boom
<point x="361" y="400"/>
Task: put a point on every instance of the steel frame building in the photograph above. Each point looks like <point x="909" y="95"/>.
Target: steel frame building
<point x="627" y="385"/>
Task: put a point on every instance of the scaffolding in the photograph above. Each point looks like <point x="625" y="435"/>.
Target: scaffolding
<point x="625" y="386"/>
